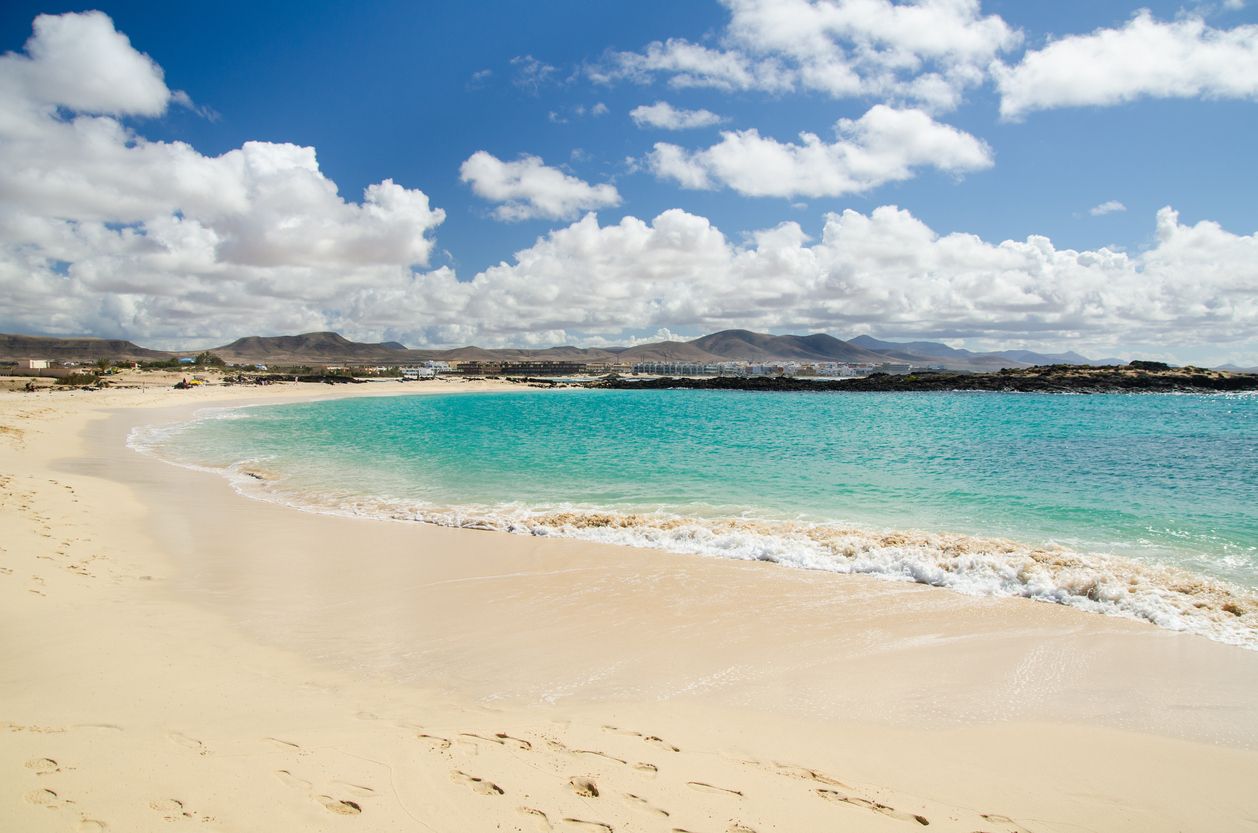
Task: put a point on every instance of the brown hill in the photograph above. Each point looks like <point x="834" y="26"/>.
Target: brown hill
<point x="727" y="345"/>
<point x="324" y="348"/>
<point x="74" y="349"/>
<point x="746" y="346"/>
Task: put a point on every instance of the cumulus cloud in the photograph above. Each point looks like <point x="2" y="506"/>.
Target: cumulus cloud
<point x="104" y="230"/>
<point x="663" y="115"/>
<point x="1146" y="58"/>
<point x="884" y="145"/>
<point x="528" y="189"/>
<point x="79" y="61"/>
<point x="927" y="52"/>
<point x="886" y="269"/>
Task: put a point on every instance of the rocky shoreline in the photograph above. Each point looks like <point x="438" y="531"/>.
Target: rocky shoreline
<point x="1137" y="377"/>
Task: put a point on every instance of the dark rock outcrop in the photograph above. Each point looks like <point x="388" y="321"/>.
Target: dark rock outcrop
<point x="1043" y="379"/>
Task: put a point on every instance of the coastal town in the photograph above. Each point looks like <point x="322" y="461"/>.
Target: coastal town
<point x="78" y="373"/>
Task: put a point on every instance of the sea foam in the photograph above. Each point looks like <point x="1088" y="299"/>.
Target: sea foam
<point x="1166" y="596"/>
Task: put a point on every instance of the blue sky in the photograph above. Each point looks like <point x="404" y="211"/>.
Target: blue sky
<point x="1103" y="106"/>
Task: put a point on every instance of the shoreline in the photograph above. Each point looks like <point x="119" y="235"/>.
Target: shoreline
<point x="222" y="642"/>
<point x="970" y="561"/>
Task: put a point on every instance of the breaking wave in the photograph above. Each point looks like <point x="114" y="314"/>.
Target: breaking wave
<point x="1166" y="596"/>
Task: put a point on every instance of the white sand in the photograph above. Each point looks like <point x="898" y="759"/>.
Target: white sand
<point x="176" y="655"/>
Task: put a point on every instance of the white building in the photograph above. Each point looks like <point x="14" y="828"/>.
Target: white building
<point x="33" y="364"/>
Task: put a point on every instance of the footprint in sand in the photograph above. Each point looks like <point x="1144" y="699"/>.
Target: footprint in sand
<point x="434" y="741"/>
<point x="584" y="787"/>
<point x="518" y="743"/>
<point x="641" y="803"/>
<point x="589" y="826"/>
<point x="708" y="788"/>
<point x="43" y="766"/>
<point x="342" y="807"/>
<point x="606" y="728"/>
<point x="539" y="818"/>
<point x="478" y="785"/>
<point x="1014" y="827"/>
<point x="46" y="798"/>
<point x="804" y="774"/>
<point x="735" y="827"/>
<point x="649" y="769"/>
<point x="661" y="743"/>
<point x="834" y="795"/>
<point x="500" y="738"/>
<point x="180" y="739"/>
<point x="92" y="826"/>
<point x="171" y="809"/>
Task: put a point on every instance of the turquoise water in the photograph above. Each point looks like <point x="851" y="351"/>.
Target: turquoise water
<point x="1085" y="500"/>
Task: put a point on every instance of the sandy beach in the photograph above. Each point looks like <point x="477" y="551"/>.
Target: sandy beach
<point x="178" y="656"/>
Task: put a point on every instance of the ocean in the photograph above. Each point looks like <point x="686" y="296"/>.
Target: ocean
<point x="1142" y="506"/>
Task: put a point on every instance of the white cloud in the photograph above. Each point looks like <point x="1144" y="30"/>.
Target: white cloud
<point x="693" y="65"/>
<point x="1146" y="58"/>
<point x="104" y="230"/>
<point x="528" y="189"/>
<point x="79" y="61"/>
<point x="885" y="268"/>
<point x="926" y="52"/>
<point x="1107" y="207"/>
<point x="663" y="115"/>
<point x="884" y="145"/>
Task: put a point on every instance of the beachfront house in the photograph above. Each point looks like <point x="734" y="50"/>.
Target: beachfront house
<point x="33" y="364"/>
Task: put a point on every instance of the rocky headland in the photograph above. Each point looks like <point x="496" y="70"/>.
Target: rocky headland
<point x="1137" y="377"/>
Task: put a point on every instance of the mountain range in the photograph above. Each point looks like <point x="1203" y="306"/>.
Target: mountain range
<point x="727" y="345"/>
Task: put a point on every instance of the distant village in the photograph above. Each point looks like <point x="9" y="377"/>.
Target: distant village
<point x="482" y="369"/>
<point x="560" y="369"/>
<point x="665" y="368"/>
